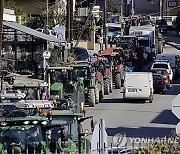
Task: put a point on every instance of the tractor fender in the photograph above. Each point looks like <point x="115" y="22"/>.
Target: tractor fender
<point x="107" y="73"/>
<point x="98" y="76"/>
<point x="118" y="68"/>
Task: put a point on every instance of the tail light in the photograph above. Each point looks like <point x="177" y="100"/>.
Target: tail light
<point x="151" y="91"/>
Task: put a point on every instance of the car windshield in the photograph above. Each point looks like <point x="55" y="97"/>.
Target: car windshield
<point x="159" y="71"/>
<point x="30" y="135"/>
<point x="160" y="66"/>
<point x="161" y="22"/>
<point x="144" y="43"/>
<point x="114" y="29"/>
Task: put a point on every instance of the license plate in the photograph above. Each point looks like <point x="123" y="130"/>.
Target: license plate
<point x="132" y="90"/>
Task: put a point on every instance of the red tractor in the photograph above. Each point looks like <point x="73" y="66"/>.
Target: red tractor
<point x="116" y="67"/>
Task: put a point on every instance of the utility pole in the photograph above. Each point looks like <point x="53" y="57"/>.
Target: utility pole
<point x="68" y="20"/>
<point x="132" y="10"/>
<point x="47" y="21"/>
<point x="161" y="9"/>
<point x="104" y="24"/>
<point x="122" y="2"/>
<point x="71" y="20"/>
<point x="1" y="30"/>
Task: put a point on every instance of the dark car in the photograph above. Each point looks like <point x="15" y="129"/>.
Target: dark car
<point x="165" y="75"/>
<point x="162" y="24"/>
<point x="159" y="84"/>
<point x="81" y="53"/>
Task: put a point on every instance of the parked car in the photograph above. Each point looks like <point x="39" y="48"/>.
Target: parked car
<point x="159" y="84"/>
<point x="165" y="75"/>
<point x="163" y="64"/>
<point x="138" y="85"/>
<point x="162" y="24"/>
<point x="174" y="60"/>
<point x="81" y="53"/>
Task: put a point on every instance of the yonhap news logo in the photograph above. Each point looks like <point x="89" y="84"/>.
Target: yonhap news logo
<point x="122" y="140"/>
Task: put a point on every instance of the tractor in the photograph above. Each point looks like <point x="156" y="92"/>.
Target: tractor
<point x="64" y="85"/>
<point x="65" y="132"/>
<point x="23" y="135"/>
<point x="93" y="82"/>
<point x="115" y="58"/>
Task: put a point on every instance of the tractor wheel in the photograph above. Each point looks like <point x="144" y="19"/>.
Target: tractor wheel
<point x="110" y="85"/>
<point x="91" y="97"/>
<point x="106" y="87"/>
<point x="117" y="81"/>
<point x="97" y="96"/>
<point x="101" y="93"/>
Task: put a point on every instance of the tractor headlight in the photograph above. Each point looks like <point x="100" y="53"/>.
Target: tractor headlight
<point x="3" y="123"/>
<point x="44" y="123"/>
<point x="26" y="122"/>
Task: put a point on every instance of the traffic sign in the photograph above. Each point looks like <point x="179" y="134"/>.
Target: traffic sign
<point x="46" y="54"/>
<point x="176" y="106"/>
<point x="178" y="129"/>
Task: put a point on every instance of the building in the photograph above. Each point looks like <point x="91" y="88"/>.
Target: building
<point x="146" y="7"/>
<point x="34" y="7"/>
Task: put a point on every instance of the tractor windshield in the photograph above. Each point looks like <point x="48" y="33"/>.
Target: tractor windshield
<point x="82" y="72"/>
<point x="20" y="136"/>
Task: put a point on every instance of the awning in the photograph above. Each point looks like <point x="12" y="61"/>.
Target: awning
<point x="30" y="31"/>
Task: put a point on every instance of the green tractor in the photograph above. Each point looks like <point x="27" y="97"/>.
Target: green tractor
<point x="23" y="135"/>
<point x="65" y="132"/>
<point x="93" y="88"/>
<point x="64" y="85"/>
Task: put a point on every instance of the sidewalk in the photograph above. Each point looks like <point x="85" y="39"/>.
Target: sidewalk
<point x="172" y="39"/>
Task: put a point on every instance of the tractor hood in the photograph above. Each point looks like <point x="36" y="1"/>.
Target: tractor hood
<point x="57" y="86"/>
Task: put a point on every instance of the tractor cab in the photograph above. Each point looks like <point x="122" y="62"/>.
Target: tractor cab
<point x="62" y="81"/>
<point x="84" y="71"/>
<point x="33" y="91"/>
<point x="65" y="132"/>
<point x="23" y="135"/>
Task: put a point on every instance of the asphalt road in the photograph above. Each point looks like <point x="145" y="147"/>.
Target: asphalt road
<point x="135" y="119"/>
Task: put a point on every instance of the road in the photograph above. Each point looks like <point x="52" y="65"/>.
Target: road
<point x="135" y="119"/>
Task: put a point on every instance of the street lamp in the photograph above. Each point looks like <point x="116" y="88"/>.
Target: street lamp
<point x="47" y="22"/>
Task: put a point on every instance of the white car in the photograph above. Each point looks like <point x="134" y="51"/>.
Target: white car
<point x="163" y="64"/>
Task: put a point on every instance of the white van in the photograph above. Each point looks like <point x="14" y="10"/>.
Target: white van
<point x="173" y="59"/>
<point x="138" y="85"/>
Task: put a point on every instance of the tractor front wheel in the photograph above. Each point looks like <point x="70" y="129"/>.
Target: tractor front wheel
<point x="117" y="81"/>
<point x="91" y="97"/>
<point x="106" y="87"/>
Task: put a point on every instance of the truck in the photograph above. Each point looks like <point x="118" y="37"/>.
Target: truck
<point x="146" y="37"/>
<point x="139" y="86"/>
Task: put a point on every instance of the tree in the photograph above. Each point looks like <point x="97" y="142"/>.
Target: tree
<point x="18" y="10"/>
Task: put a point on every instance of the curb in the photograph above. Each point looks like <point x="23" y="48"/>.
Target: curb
<point x="177" y="46"/>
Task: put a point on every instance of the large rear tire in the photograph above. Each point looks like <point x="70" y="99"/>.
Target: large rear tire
<point x="117" y="81"/>
<point x="106" y="87"/>
<point x="91" y="97"/>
